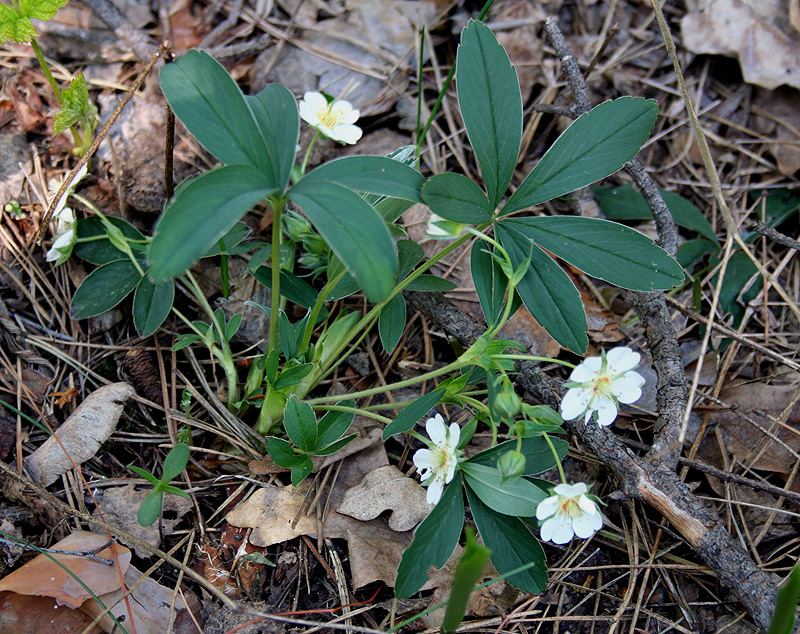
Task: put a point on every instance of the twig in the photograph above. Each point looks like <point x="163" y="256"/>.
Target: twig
<point x="776" y="236"/>
<point x="672" y="392"/>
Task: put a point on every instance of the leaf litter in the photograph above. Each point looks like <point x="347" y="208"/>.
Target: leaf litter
<point x="631" y="63"/>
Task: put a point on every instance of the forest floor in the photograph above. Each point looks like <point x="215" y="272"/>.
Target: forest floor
<point x="665" y="558"/>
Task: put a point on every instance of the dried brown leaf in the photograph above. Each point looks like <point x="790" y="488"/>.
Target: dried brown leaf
<point x="81" y="435"/>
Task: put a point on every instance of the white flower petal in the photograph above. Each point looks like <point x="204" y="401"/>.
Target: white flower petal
<point x="344" y="112"/>
<point x="628" y="388"/>
<point x="587" y="505"/>
<point x="606" y="410"/>
<point x="569" y="490"/>
<point x="346" y="133"/>
<point x="454" y="436"/>
<point x="575" y="402"/>
<point x="622" y="359"/>
<point x="435" y="490"/>
<point x="586" y="370"/>
<point x="583" y="525"/>
<point x="547" y="508"/>
<point x="557" y="529"/>
<point x="436" y="430"/>
<point x="423" y="459"/>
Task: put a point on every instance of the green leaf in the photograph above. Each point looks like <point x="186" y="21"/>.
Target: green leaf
<point x="491" y="106"/>
<point x="104" y="288"/>
<point x="412" y="413"/>
<point x="101" y="251"/>
<point x="208" y="102"/>
<point x="203" y="210"/>
<point x="369" y="174"/>
<point x="282" y="453"/>
<point x="76" y="105"/>
<point x="14" y="26"/>
<point x="603" y="249"/>
<point x="40" y="9"/>
<point x="326" y="450"/>
<point x="150" y="510"/>
<point x="334" y="424"/>
<point x="301" y="471"/>
<point x="596" y="145"/>
<point x="512" y="546"/>
<point x="518" y="498"/>
<point x="175" y="462"/>
<point x="293" y="376"/>
<point x="455" y="197"/>
<point x="300" y="424"/>
<point x="786" y="605"/>
<point x="538" y="455"/>
<point x="434" y="541"/>
<point x="490" y="281"/>
<point x="546" y="290"/>
<point x="145" y="474"/>
<point x="625" y="203"/>
<point x="238" y="232"/>
<point x="293" y="288"/>
<point x="233" y="326"/>
<point x="392" y="322"/>
<point x="354" y="231"/>
<point x="740" y="286"/>
<point x="275" y="112"/>
<point x="151" y="305"/>
<point x="692" y="251"/>
<point x="468" y="572"/>
<point x="409" y="254"/>
<point x="430" y="284"/>
<point x="184" y="341"/>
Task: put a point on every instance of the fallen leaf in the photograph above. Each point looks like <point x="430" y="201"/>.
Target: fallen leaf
<point x="65" y="396"/>
<point x="42" y="576"/>
<point x="22" y="614"/>
<point x="120" y="507"/>
<point x="780" y="107"/>
<point x="387" y="488"/>
<point x="36" y="383"/>
<point x="755" y="31"/>
<point x="81" y="435"/>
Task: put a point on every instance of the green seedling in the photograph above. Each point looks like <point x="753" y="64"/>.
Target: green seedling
<point x="174" y="463"/>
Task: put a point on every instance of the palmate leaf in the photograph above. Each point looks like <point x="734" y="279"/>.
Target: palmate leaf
<point x="455" y="197"/>
<point x="104" y="288"/>
<point x="208" y="102"/>
<point x="275" y="112"/>
<point x="40" y="9"/>
<point x="202" y="211"/>
<point x="14" y="26"/>
<point x="596" y="145"/>
<point x="151" y="305"/>
<point x="512" y="545"/>
<point x="353" y="230"/>
<point x="546" y="290"/>
<point x="491" y="106"/>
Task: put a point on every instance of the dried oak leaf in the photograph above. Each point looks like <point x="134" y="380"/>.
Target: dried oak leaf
<point x="42" y="576"/>
<point x="387" y="488"/>
<point x="755" y="31"/>
<point x="81" y="435"/>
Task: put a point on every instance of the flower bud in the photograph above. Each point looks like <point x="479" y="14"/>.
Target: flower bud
<point x="511" y="465"/>
<point x="506" y="403"/>
<point x="441" y="229"/>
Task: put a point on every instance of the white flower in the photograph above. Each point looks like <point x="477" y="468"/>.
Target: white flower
<point x="599" y="384"/>
<point x="437" y="464"/>
<point x="569" y="512"/>
<point x="441" y="229"/>
<point x="335" y="120"/>
<point x="62" y="247"/>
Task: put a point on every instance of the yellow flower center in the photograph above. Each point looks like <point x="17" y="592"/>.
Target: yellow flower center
<point x="570" y="508"/>
<point x="327" y="117"/>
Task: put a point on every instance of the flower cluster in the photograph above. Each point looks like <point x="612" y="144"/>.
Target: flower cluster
<point x="334" y="119"/>
<point x="64" y="232"/>
<point x="599" y="384"/>
<point x="437" y="464"/>
<point x="567" y="513"/>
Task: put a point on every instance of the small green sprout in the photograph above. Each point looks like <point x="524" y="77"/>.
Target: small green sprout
<point x="174" y="463"/>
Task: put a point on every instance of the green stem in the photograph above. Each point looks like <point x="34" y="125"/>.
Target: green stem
<point x="318" y="304"/>
<point x="555" y="455"/>
<point x="308" y="153"/>
<point x="452" y="367"/>
<point x="275" y="293"/>
<point x="528" y="357"/>
<point x="354" y="410"/>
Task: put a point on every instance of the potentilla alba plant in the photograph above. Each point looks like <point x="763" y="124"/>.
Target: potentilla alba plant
<point x="568" y="513"/>
<point x="64" y="217"/>
<point x="334" y="119"/>
<point x="599" y="384"/>
<point x="437" y="464"/>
